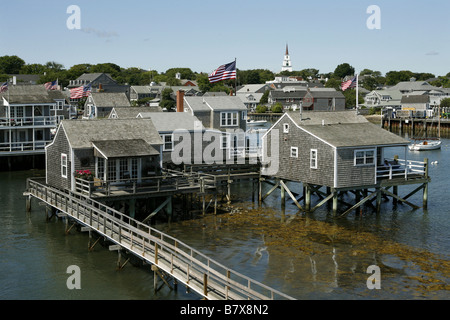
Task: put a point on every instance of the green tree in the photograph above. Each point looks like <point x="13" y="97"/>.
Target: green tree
<point x="350" y="98"/>
<point x="277" y="108"/>
<point x="394" y="77"/>
<point x="261" y="109"/>
<point x="265" y="97"/>
<point x="35" y="68"/>
<point x="113" y="69"/>
<point x="445" y="103"/>
<point x="343" y="70"/>
<point x="333" y="83"/>
<point x="11" y="64"/>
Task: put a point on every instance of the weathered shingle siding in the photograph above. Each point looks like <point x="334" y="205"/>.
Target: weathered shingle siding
<point x="53" y="162"/>
<point x="322" y="104"/>
<point x="84" y="160"/>
<point x="349" y="175"/>
<point x="298" y="169"/>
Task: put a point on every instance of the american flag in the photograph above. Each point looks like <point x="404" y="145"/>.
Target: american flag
<point x="224" y="72"/>
<point x="348" y="84"/>
<point x="80" y="92"/>
<point x="53" y="85"/>
<point x="4" y="87"/>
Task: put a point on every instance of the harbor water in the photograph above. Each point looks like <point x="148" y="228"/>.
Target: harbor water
<point x="307" y="256"/>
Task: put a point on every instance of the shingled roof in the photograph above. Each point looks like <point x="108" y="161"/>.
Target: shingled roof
<point x="345" y="129"/>
<point x="82" y="133"/>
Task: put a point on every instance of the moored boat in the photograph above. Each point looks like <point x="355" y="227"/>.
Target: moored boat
<point x="425" y="145"/>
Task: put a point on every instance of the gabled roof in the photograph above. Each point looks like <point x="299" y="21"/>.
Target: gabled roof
<point x="81" y="133"/>
<point x="93" y="76"/>
<point x="171" y="121"/>
<point x="124" y="148"/>
<point x="413" y="86"/>
<point x="110" y="99"/>
<point x="342" y="129"/>
<point x="132" y="112"/>
<point x="207" y="103"/>
<point x="27" y="94"/>
<point x="416" y="99"/>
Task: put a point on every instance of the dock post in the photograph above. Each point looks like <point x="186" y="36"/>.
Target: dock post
<point x="335" y="201"/>
<point x="28" y="203"/>
<point x="283" y="195"/>
<point x="395" y="191"/>
<point x="378" y="200"/>
<point x="425" y="185"/>
<point x="307" y="197"/>
<point x="132" y="205"/>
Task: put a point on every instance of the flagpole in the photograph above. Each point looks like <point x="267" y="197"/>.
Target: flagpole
<point x="235" y="79"/>
<point x="357" y="109"/>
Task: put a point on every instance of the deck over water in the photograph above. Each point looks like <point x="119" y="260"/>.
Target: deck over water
<point x="203" y="275"/>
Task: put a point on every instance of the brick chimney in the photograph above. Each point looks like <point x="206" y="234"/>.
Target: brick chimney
<point x="180" y="101"/>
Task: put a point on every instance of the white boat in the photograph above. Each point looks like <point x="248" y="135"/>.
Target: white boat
<point x="256" y="123"/>
<point x="425" y="145"/>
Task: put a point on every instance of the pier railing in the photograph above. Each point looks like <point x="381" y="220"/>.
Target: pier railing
<point x="170" y="181"/>
<point x="399" y="168"/>
<point x="207" y="277"/>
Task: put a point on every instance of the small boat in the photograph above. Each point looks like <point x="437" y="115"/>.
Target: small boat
<point x="425" y="145"/>
<point x="428" y="144"/>
<point x="256" y="123"/>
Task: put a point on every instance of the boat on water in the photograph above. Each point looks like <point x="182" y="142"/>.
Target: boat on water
<point x="256" y="123"/>
<point x="428" y="144"/>
<point x="425" y="145"/>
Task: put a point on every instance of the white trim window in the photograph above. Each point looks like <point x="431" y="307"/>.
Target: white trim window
<point x="64" y="165"/>
<point x="229" y="119"/>
<point x="294" y="152"/>
<point x="313" y="159"/>
<point x="364" y="157"/>
<point x="244" y="115"/>
<point x="168" y="142"/>
<point x="285" y="127"/>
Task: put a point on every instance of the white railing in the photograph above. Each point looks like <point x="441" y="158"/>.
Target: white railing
<point x="23" y="146"/>
<point x="30" y="121"/>
<point x="399" y="168"/>
<point x="204" y="275"/>
<point x="169" y="181"/>
<point x="246" y="152"/>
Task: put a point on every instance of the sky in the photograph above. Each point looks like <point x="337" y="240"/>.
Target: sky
<point x="204" y="34"/>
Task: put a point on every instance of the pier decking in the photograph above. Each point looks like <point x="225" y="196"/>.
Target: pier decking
<point x="207" y="277"/>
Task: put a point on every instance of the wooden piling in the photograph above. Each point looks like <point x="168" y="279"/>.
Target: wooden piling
<point x="425" y="185"/>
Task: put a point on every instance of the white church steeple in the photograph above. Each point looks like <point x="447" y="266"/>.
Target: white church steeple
<point x="287" y="65"/>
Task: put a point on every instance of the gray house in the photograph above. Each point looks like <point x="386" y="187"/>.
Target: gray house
<point x="100" y="104"/>
<point x="227" y="114"/>
<point x="29" y="114"/>
<point x="333" y="149"/>
<point x="314" y="99"/>
<point x="224" y="113"/>
<point x="111" y="150"/>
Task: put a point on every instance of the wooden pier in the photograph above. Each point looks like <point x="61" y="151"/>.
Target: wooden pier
<point x="403" y="173"/>
<point x="415" y="127"/>
<point x="167" y="255"/>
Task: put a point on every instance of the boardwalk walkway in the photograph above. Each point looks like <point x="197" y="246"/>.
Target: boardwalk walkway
<point x="206" y="277"/>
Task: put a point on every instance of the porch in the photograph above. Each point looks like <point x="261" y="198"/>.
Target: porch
<point x="394" y="168"/>
<point x="167" y="183"/>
